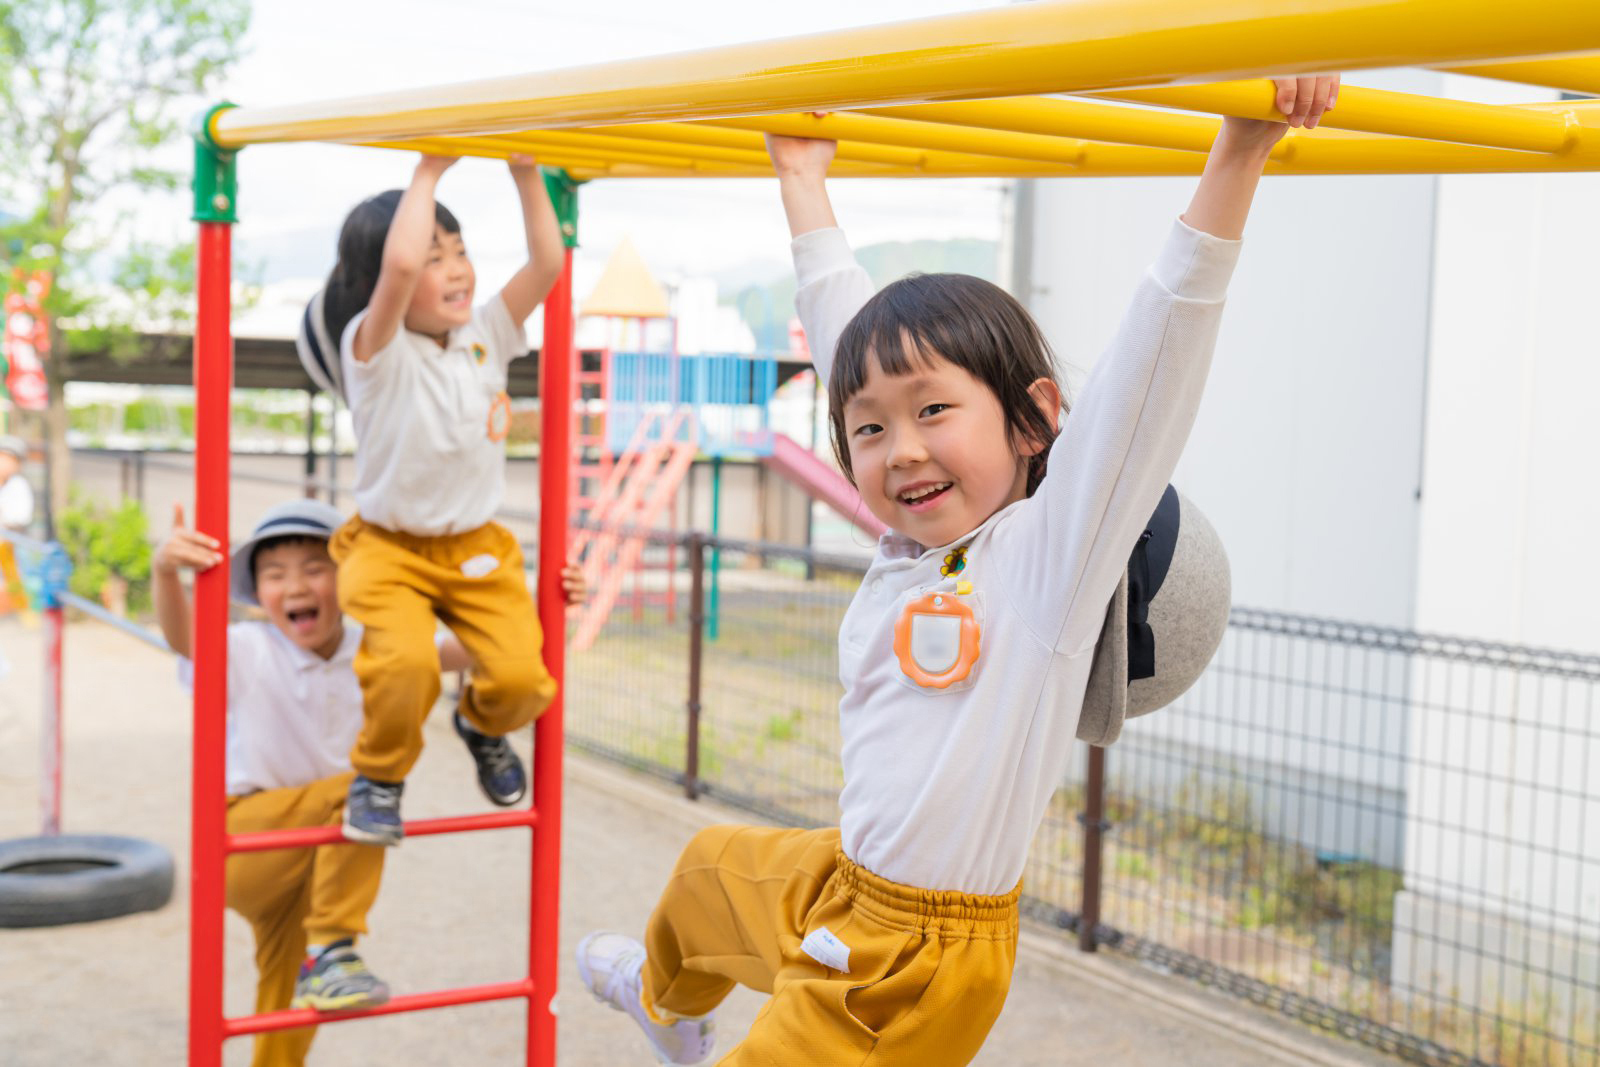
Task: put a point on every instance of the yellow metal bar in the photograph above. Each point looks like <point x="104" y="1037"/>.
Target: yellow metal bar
<point x="1577" y="75"/>
<point x="852" y="129"/>
<point x="1044" y="47"/>
<point x="1374" y="111"/>
<point x="1318" y="151"/>
<point x="497" y="148"/>
<point x="680" y="149"/>
<point x="1069" y="119"/>
<point x="739" y="136"/>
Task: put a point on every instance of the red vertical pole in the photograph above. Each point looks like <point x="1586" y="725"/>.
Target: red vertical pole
<point x="556" y="358"/>
<point x="213" y="385"/>
<point x="50" y="729"/>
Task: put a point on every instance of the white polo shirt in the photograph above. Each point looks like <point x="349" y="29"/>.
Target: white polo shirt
<point x="292" y="715"/>
<point x="431" y="423"/>
<point x="944" y="788"/>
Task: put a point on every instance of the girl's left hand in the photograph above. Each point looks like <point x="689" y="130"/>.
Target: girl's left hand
<point x="523" y="166"/>
<point x="1303" y="102"/>
<point x="574" y="585"/>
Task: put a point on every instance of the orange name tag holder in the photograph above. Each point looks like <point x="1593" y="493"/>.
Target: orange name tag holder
<point x="936" y="640"/>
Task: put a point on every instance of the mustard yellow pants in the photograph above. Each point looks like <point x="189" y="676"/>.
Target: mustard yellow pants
<point x="295" y="897"/>
<point x="395" y="585"/>
<point x="861" y="970"/>
<point x="13" y="593"/>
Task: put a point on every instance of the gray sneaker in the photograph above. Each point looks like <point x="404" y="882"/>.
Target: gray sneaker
<point x="612" y="966"/>
<point x="336" y="979"/>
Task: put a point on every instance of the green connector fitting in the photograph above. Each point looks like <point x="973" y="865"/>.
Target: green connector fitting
<point x="216" y="175"/>
<point x="564" y="196"/>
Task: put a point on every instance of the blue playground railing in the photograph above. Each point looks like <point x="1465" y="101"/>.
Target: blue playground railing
<point x="729" y="393"/>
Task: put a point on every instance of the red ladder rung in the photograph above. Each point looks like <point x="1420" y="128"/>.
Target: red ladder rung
<point x="448" y="998"/>
<point x="311" y="836"/>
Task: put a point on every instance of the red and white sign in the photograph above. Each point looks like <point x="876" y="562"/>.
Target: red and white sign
<point x="27" y="343"/>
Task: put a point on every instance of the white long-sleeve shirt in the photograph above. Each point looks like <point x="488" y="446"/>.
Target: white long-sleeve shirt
<point x="944" y="788"/>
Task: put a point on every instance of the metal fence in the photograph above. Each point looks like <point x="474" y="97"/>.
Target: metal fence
<point x="1388" y="834"/>
<point x="1391" y="835"/>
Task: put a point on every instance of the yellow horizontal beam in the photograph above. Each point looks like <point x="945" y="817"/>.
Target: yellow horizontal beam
<point x="1321" y="151"/>
<point x="1023" y="49"/>
<point x="853" y="130"/>
<point x="1048" y="117"/>
<point x="1577" y="75"/>
<point x="1375" y="111"/>
<point x="684" y="133"/>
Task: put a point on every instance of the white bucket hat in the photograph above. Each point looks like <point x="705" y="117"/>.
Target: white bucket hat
<point x="12" y="445"/>
<point x="295" y="518"/>
<point x="1164" y="622"/>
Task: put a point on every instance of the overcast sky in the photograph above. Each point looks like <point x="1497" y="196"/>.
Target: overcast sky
<point x="293" y="197"/>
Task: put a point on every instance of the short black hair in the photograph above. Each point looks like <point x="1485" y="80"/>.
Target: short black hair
<point x="972" y="323"/>
<point x="361" y="239"/>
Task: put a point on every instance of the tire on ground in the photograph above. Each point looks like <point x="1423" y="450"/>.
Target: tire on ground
<point x="76" y="878"/>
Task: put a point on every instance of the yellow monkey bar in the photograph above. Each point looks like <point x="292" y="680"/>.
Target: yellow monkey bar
<point x="979" y="94"/>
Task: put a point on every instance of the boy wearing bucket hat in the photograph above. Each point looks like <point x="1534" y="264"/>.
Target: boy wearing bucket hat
<point x="294" y="710"/>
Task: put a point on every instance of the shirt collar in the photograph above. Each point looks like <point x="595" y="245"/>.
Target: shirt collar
<point x="894" y="545"/>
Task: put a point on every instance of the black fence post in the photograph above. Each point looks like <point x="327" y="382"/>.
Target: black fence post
<point x="311" y="444"/>
<point x="1094" y="823"/>
<point x="697" y="625"/>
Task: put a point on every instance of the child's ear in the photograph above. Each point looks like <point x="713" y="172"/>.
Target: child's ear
<point x="1047" y="394"/>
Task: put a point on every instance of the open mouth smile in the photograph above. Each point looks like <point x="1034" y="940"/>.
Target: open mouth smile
<point x="923" y="495"/>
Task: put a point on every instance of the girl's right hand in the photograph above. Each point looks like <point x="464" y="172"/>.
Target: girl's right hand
<point x="185" y="548"/>
<point x="800" y="156"/>
<point x="436" y="165"/>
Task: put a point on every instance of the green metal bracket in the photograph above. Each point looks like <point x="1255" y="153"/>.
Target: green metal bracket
<point x="564" y="196"/>
<point x="216" y="175"/>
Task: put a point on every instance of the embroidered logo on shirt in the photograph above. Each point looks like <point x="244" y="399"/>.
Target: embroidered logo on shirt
<point x="823" y="946"/>
<point x="479" y="352"/>
<point x="499" y="418"/>
<point x="478" y="566"/>
<point x="955" y="562"/>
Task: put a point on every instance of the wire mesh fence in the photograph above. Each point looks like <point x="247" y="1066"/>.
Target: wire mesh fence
<point x="1388" y="834"/>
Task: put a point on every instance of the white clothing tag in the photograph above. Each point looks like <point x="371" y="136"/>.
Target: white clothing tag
<point x="822" y="946"/>
<point x="478" y="566"/>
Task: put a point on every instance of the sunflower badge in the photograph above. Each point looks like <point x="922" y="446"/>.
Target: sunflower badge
<point x="480" y="352"/>
<point x="955" y="562"/>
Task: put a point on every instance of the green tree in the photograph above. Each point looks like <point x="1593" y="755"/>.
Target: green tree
<point x="93" y="97"/>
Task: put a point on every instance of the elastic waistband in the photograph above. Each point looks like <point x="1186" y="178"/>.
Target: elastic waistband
<point x="421" y="544"/>
<point x="905" y="907"/>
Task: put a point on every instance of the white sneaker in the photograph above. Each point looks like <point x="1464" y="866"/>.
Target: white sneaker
<point x="612" y="966"/>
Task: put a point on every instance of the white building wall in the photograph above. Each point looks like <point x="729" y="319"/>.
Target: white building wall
<point x="1306" y="454"/>
<point x="1504" y="805"/>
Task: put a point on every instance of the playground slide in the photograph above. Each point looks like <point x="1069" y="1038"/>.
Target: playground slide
<point x="801" y="466"/>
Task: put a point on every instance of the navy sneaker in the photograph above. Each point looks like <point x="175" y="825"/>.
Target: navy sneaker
<point x="500" y="770"/>
<point x="336" y="979"/>
<point x="372" y="812"/>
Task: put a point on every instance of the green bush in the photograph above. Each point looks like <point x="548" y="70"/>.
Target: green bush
<point x="107" y="541"/>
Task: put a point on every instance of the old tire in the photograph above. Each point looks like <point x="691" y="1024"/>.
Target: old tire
<point x="79" y="878"/>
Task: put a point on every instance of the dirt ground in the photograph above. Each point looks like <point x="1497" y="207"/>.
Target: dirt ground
<point x="453" y="912"/>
